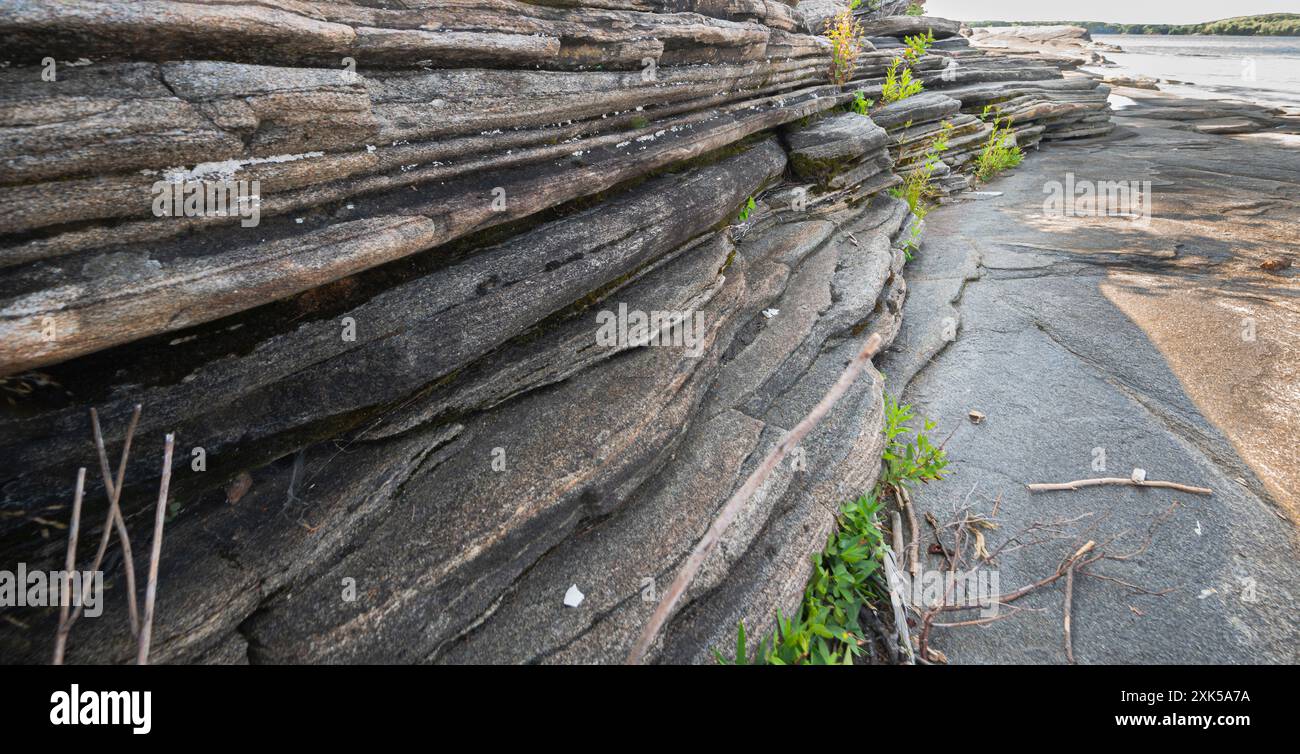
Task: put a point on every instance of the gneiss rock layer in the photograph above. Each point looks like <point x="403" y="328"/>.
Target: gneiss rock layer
<point x="403" y="437"/>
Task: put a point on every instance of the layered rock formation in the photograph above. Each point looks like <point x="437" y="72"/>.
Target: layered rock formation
<point x="404" y="435"/>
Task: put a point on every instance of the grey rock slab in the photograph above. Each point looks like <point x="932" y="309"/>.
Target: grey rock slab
<point x="843" y="136"/>
<point x="906" y="26"/>
<point x="611" y="562"/>
<point x="1082" y="334"/>
<point x="917" y="109"/>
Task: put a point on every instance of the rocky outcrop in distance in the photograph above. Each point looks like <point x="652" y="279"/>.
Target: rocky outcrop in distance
<point x="415" y="402"/>
<point x="1071" y="45"/>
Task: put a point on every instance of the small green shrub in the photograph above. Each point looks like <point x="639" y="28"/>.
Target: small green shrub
<point x="918" y="45"/>
<point x="860" y="105"/>
<point x="746" y="209"/>
<point x="918" y="185"/>
<point x="909" y="456"/>
<point x="844" y="579"/>
<point x="913" y="243"/>
<point x="1000" y="151"/>
<point x="899" y="84"/>
<point x="914" y="10"/>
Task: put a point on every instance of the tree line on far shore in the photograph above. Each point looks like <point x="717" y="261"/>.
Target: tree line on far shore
<point x="1267" y="25"/>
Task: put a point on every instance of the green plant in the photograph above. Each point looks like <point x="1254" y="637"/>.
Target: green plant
<point x="845" y="34"/>
<point x="913" y="243"/>
<point x="918" y="45"/>
<point x="745" y="210"/>
<point x="1000" y="151"/>
<point x="860" y="105"/>
<point x="914" y="10"/>
<point x="848" y="574"/>
<point x="918" y="185"/>
<point x="899" y="85"/>
<point x="909" y="456"/>
<point x="742" y="655"/>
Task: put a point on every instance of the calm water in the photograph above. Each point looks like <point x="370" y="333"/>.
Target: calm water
<point x="1259" y="69"/>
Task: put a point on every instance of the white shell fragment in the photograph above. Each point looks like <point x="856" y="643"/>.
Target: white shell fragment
<point x="573" y="597"/>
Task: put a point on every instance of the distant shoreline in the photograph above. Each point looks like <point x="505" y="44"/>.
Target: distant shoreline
<point x="1268" y="25"/>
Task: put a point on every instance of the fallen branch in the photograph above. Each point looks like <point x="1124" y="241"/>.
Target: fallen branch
<point x="1118" y="480"/>
<point x="985" y="621"/>
<point x="896" y="530"/>
<point x="733" y="506"/>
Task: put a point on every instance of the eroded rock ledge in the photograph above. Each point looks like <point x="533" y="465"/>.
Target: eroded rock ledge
<point x="491" y="178"/>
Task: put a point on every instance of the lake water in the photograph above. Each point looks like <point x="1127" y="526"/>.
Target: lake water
<point x="1259" y="69"/>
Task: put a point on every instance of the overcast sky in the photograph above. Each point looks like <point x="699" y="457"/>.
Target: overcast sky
<point x="1118" y="11"/>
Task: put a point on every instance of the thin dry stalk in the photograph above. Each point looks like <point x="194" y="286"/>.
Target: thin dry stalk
<point x="70" y="564"/>
<point x="1069" y="599"/>
<point x="151" y="589"/>
<point x="737" y="501"/>
<point x="914" y="554"/>
<point x="114" y="519"/>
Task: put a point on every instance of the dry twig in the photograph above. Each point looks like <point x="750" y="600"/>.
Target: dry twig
<point x="914" y="554"/>
<point x="151" y="590"/>
<point x="1069" y="598"/>
<point x="1117" y="480"/>
<point x="70" y="564"/>
<point x="1076" y="564"/>
<point x="115" y="520"/>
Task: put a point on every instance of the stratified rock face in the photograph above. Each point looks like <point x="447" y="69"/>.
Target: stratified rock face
<point x="498" y="326"/>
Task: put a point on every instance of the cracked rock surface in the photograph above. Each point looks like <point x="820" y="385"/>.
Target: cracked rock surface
<point x="1163" y="346"/>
